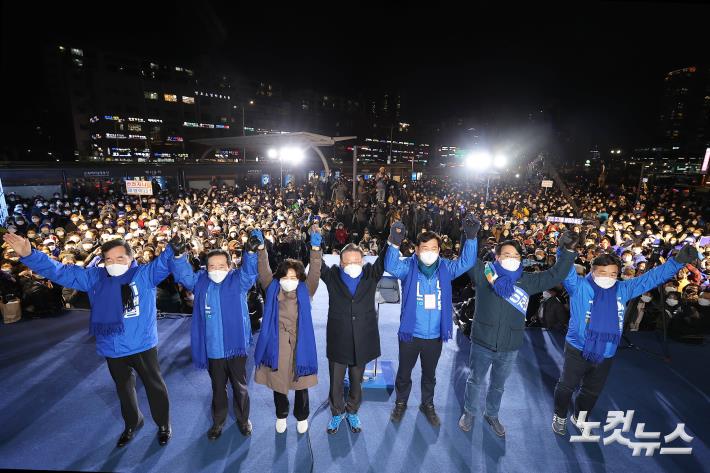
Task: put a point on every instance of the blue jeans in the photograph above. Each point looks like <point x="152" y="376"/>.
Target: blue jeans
<point x="481" y="359"/>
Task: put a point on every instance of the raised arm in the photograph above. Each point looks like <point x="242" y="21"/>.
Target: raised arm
<point x="158" y="269"/>
<point x="544" y="280"/>
<point x="565" y="261"/>
<point x="378" y="267"/>
<point x="183" y="272"/>
<point x="571" y="281"/>
<point x="67" y="275"/>
<point x="635" y="287"/>
<point x="71" y="276"/>
<point x="248" y="271"/>
<point x="264" y="270"/>
<point x="465" y="261"/>
<point x="393" y="265"/>
<point x="314" y="265"/>
<point x="657" y="276"/>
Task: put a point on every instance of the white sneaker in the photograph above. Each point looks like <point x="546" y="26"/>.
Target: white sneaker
<point x="280" y="426"/>
<point x="302" y="426"/>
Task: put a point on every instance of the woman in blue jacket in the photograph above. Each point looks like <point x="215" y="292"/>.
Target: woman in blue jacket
<point x="221" y="329"/>
<point x="123" y="320"/>
<point x="597" y="306"/>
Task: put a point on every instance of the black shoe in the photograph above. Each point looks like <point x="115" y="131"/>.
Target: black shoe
<point x="215" y="431"/>
<point x="245" y="429"/>
<point x="164" y="434"/>
<point x="496" y="425"/>
<point x="398" y="411"/>
<point x="430" y="413"/>
<point x="128" y="434"/>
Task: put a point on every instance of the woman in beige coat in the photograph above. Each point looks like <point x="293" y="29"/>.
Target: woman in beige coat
<point x="279" y="367"/>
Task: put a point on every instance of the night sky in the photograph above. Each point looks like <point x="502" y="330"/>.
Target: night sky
<point x="597" y="70"/>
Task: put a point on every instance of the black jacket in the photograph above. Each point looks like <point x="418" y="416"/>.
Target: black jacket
<point x="353" y="337"/>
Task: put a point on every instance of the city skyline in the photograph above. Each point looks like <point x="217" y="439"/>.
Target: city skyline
<point x="597" y="75"/>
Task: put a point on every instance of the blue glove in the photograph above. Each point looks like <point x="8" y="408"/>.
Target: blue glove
<point x="316" y="239"/>
<point x="260" y="236"/>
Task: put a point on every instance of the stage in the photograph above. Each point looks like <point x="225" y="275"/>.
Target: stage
<point x="60" y="411"/>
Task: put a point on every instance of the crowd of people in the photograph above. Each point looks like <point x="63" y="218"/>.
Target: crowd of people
<point x="598" y="256"/>
<point x="642" y="232"/>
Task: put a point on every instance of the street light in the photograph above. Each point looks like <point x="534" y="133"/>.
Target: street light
<point x="479" y="160"/>
<point x="290" y="154"/>
<point x="500" y="161"/>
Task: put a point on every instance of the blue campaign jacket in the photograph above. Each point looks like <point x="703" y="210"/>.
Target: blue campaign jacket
<point x="140" y="327"/>
<point x="246" y="275"/>
<point x="581" y="296"/>
<point x="428" y="321"/>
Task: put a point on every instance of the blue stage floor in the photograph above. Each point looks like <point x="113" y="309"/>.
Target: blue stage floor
<point x="59" y="411"/>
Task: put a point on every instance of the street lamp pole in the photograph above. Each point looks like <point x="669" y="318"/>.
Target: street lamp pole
<point x="244" y="151"/>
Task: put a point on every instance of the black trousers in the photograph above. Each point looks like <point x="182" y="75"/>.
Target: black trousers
<point x="234" y="370"/>
<point x="301" y="408"/>
<point x="123" y="373"/>
<point x="338" y="405"/>
<point x="575" y="371"/>
<point x="429" y="352"/>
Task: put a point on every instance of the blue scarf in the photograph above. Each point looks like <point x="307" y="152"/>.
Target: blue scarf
<point x="232" y="319"/>
<point x="603" y="325"/>
<point x="503" y="285"/>
<point x="266" y="352"/>
<point x="408" y="315"/>
<point x="350" y="282"/>
<point x="115" y="297"/>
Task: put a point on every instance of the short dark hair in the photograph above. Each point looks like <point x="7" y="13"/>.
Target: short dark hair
<point x="428" y="236"/>
<point x="351" y="247"/>
<point x="290" y="263"/>
<point x="513" y="243"/>
<point x="110" y="245"/>
<point x="606" y="259"/>
<point x="218" y="252"/>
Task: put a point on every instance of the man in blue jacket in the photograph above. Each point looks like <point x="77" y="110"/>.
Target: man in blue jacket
<point x="123" y="320"/>
<point x="597" y="307"/>
<point x="221" y="328"/>
<point x="425" y="320"/>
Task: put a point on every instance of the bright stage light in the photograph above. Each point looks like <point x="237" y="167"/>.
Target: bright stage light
<point x="272" y="153"/>
<point x="500" y="161"/>
<point x="479" y="160"/>
<point x="291" y="154"/>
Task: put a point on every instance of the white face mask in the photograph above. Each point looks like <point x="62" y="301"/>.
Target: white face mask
<point x="428" y="257"/>
<point x="704" y="302"/>
<point x="627" y="258"/>
<point x="637" y="251"/>
<point x="288" y="285"/>
<point x="353" y="270"/>
<point x="604" y="282"/>
<point x="646" y="298"/>
<point x="546" y="295"/>
<point x="510" y="264"/>
<point x="217" y="275"/>
<point x="672" y="302"/>
<point x="670" y="289"/>
<point x="117" y="269"/>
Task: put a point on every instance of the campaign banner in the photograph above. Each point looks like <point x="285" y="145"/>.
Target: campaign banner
<point x="576" y="221"/>
<point x="139" y="187"/>
<point x="546" y="184"/>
